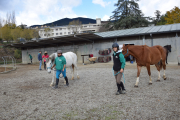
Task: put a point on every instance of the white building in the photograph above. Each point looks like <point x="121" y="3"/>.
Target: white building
<point x="67" y="30"/>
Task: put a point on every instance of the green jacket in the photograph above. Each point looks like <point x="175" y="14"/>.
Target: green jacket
<point x="122" y="59"/>
<point x="30" y="57"/>
<point x="60" y="62"/>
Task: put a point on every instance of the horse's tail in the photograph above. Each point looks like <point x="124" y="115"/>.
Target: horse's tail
<point x="162" y="51"/>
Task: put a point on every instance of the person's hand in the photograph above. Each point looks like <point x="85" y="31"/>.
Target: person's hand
<point x="121" y="71"/>
<point x="63" y="70"/>
<point x="51" y="68"/>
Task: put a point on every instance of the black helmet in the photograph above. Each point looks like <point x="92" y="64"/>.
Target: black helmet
<point x="115" y="45"/>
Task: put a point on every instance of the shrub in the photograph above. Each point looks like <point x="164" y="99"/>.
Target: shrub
<point x="17" y="53"/>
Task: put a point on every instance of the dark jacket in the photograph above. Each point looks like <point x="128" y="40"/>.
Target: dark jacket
<point x="39" y="57"/>
<point x="119" y="61"/>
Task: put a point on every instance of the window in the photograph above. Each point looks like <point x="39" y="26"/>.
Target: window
<point x="44" y="34"/>
<point x="60" y="33"/>
<point x="85" y="26"/>
<point x="94" y="25"/>
<point x="52" y="34"/>
<point x="69" y="33"/>
<point x="68" y="28"/>
<point x="56" y="29"/>
<point x="52" y="30"/>
<point x="60" y="28"/>
<point x="64" y="32"/>
<point x="48" y="34"/>
<point x="64" y="28"/>
<point x="56" y="33"/>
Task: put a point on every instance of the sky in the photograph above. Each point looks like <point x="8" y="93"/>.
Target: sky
<point x="34" y="12"/>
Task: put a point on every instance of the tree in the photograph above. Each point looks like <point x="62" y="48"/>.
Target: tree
<point x="157" y="16"/>
<point x="173" y="16"/>
<point x="26" y="33"/>
<point x="16" y="33"/>
<point x="75" y="26"/>
<point x="6" y="33"/>
<point x="127" y="15"/>
<point x="162" y="20"/>
<point x="47" y="32"/>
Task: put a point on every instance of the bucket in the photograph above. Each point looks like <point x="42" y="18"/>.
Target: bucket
<point x="131" y="62"/>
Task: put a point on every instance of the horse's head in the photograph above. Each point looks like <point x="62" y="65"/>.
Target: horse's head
<point x="49" y="64"/>
<point x="125" y="50"/>
<point x="169" y="47"/>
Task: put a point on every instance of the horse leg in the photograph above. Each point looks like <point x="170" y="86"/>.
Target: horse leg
<point x="77" y="71"/>
<point x="166" y="58"/>
<point x="53" y="78"/>
<point x="158" y="68"/>
<point x="164" y="67"/>
<point x="72" y="71"/>
<point x="138" y="73"/>
<point x="149" y="72"/>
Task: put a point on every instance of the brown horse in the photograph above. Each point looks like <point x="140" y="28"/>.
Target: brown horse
<point x="146" y="56"/>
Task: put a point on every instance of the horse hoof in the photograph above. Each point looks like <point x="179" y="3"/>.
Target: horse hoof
<point x="136" y="86"/>
<point x="72" y="78"/>
<point x="51" y="85"/>
<point x="150" y="83"/>
<point x="157" y="81"/>
<point x="78" y="77"/>
<point x="164" y="78"/>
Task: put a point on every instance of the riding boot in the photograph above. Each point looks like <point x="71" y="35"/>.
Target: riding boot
<point x="67" y="83"/>
<point x="123" y="89"/>
<point x="57" y="82"/>
<point x="119" y="89"/>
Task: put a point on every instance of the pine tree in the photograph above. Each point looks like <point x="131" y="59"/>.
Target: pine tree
<point x="127" y="15"/>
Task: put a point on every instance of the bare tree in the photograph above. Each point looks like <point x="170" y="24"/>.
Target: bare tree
<point x="75" y="26"/>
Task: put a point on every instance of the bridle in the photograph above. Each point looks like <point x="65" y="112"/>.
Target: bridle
<point x="127" y="52"/>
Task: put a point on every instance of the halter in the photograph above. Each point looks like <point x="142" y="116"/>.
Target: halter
<point x="49" y="67"/>
<point x="126" y="53"/>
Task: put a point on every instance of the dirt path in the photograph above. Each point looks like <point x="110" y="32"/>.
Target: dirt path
<point x="26" y="94"/>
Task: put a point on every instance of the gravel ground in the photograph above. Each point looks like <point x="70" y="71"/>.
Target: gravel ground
<point x="26" y="94"/>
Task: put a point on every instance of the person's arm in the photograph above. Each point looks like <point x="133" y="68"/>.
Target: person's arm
<point x="53" y="65"/>
<point x="64" y="63"/>
<point x="38" y="57"/>
<point x="123" y="62"/>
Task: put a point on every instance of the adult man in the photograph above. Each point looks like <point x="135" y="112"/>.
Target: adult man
<point x="60" y="63"/>
<point x="40" y="60"/>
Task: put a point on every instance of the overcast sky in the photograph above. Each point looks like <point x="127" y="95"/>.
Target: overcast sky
<point x="33" y="12"/>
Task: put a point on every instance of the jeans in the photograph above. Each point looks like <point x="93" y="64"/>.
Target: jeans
<point x="40" y="64"/>
<point x="45" y="65"/>
<point x="58" y="72"/>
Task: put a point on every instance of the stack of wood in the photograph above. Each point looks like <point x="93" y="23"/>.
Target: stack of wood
<point x="104" y="58"/>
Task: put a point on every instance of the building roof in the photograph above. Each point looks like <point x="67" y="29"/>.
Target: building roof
<point x="90" y="37"/>
<point x="54" y="41"/>
<point x="141" y="31"/>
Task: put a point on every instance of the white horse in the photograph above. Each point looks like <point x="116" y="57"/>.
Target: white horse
<point x="71" y="61"/>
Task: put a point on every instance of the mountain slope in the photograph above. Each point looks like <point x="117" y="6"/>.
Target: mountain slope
<point x="65" y="21"/>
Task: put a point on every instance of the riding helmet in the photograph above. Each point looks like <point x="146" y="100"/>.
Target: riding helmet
<point x="59" y="51"/>
<point x="115" y="45"/>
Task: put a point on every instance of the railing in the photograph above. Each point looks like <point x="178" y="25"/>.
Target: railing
<point x="8" y="64"/>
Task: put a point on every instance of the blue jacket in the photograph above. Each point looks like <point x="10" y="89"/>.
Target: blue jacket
<point x="39" y="56"/>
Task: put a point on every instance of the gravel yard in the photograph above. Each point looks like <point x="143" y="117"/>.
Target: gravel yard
<point x="26" y="94"/>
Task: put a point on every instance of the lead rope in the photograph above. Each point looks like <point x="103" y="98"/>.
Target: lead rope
<point x="117" y="74"/>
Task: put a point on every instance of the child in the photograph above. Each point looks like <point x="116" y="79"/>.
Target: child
<point x="30" y="57"/>
<point x="45" y="56"/>
<point x="60" y="63"/>
<point x="118" y="67"/>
